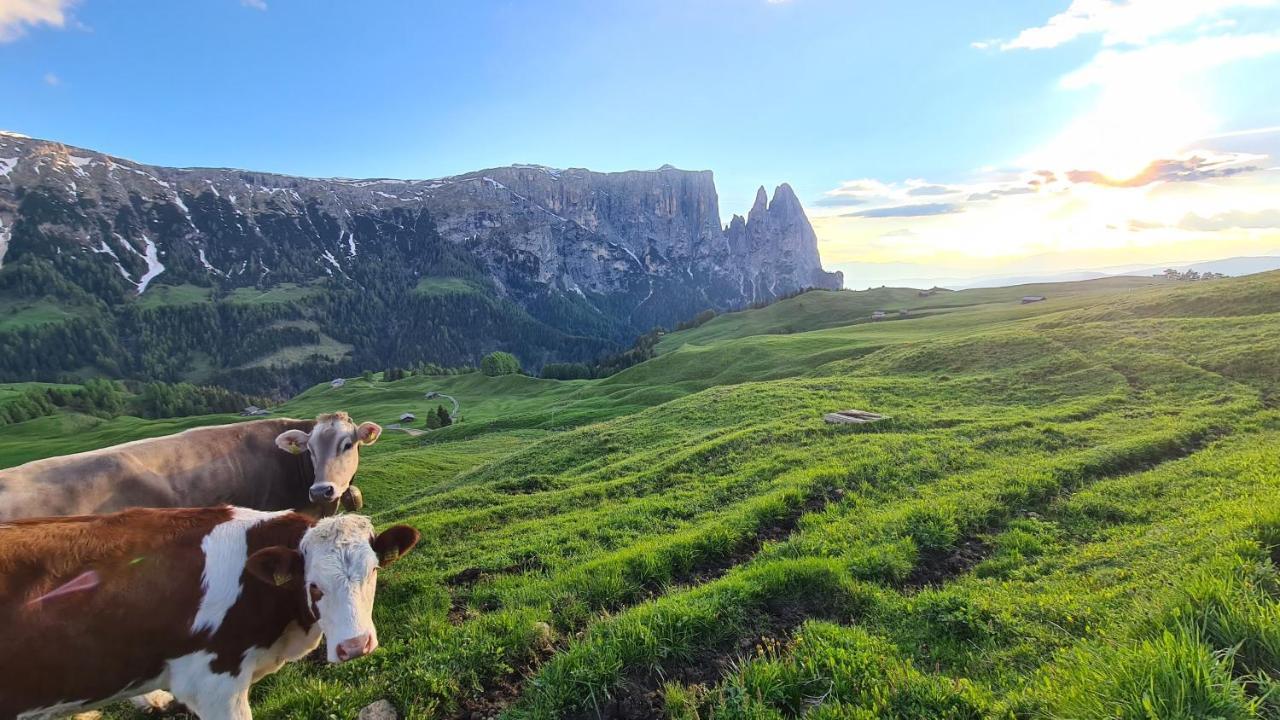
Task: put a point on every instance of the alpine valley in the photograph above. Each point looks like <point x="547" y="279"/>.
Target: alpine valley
<point x="268" y="283"/>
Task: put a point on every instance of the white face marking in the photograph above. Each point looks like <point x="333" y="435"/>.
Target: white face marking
<point x="226" y="549"/>
<point x="341" y="564"/>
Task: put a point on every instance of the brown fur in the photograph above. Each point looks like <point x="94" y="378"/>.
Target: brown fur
<point x="96" y="643"/>
<point x="237" y="464"/>
<point x="263" y="611"/>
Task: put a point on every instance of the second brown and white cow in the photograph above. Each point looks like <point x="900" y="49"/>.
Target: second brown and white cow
<point x="239" y="464"/>
<point x="202" y="602"/>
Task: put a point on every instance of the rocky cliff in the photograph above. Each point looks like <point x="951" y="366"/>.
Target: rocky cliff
<point x="602" y="255"/>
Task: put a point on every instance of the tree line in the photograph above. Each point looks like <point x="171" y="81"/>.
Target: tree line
<point x="111" y="398"/>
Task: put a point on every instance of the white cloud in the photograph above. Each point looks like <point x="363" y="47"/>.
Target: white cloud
<point x="915" y="197"/>
<point x="17" y="16"/>
<point x="1151" y="102"/>
<point x="1125" y="23"/>
<point x="1171" y="59"/>
<point x="52" y="79"/>
<point x="255" y="4"/>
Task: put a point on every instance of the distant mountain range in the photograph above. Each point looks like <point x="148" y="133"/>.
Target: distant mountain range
<point x="110" y="266"/>
<point x="1233" y="266"/>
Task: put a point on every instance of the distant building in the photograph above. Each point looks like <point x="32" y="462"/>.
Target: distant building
<point x="254" y="411"/>
<point x="338" y="382"/>
<point x="878" y="315"/>
<point x="1033" y="299"/>
<point x="408" y="418"/>
<point x="927" y="293"/>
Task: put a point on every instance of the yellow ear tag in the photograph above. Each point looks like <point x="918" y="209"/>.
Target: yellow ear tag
<point x="295" y="448"/>
<point x="282" y="578"/>
<point x="389" y="557"/>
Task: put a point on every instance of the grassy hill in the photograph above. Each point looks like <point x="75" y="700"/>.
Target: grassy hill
<point x="1069" y="514"/>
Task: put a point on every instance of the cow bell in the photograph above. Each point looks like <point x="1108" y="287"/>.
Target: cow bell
<point x="352" y="500"/>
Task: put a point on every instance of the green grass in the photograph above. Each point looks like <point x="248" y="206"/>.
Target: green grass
<point x="17" y="315"/>
<point x="282" y="293"/>
<point x="8" y="390"/>
<point x="1070" y="514"/>
<point x="297" y="354"/>
<point x="817" y="310"/>
<point x="185" y="294"/>
<point x="442" y="286"/>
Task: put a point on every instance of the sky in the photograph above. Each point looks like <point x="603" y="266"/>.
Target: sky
<point x="927" y="139"/>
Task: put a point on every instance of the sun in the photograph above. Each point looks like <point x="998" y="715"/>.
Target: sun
<point x="1130" y="126"/>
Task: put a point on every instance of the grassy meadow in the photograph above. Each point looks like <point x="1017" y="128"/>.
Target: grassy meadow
<point x="1070" y="512"/>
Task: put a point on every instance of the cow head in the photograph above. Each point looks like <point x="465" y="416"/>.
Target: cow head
<point x="335" y="572"/>
<point x="334" y="444"/>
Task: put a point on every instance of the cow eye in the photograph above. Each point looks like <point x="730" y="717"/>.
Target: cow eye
<point x="346" y="446"/>
<point x="316" y="594"/>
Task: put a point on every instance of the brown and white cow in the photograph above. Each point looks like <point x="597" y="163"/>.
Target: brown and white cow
<point x="239" y="464"/>
<point x="202" y="602"/>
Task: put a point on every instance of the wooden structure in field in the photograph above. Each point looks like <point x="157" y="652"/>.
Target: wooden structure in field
<point x="853" y="417"/>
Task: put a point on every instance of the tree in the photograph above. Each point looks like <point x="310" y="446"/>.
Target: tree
<point x="566" y="371"/>
<point x="433" y="421"/>
<point x="499" y="363"/>
<point x="442" y="416"/>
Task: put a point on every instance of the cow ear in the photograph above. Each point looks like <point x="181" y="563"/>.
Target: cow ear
<point x="292" y="441"/>
<point x="277" y="566"/>
<point x="394" y="542"/>
<point x="368" y="433"/>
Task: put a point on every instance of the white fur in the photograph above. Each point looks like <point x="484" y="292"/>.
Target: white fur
<point x="219" y="696"/>
<point x="341" y="562"/>
<point x="338" y="558"/>
<point x="225" y="551"/>
<point x="154" y="700"/>
<point x="213" y="696"/>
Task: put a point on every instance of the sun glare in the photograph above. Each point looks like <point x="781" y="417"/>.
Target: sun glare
<point x="1131" y="125"/>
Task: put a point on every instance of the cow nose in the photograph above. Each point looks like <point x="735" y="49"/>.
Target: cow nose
<point x="358" y="646"/>
<point x="324" y="492"/>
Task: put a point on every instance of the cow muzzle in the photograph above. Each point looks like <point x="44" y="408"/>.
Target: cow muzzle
<point x="358" y="646"/>
<point x="323" y="493"/>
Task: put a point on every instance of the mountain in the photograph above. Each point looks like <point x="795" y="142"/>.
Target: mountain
<point x="910" y="275"/>
<point x="1232" y="266"/>
<point x="108" y="266"/>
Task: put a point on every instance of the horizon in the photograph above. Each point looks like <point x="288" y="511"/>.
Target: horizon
<point x="1054" y="137"/>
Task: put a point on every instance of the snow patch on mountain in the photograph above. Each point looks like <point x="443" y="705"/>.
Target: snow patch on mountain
<point x="207" y="265"/>
<point x="154" y="266"/>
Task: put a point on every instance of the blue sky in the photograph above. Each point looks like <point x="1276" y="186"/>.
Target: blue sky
<point x="864" y="107"/>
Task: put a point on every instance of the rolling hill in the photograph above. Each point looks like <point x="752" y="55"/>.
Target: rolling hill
<point x="1069" y="513"/>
